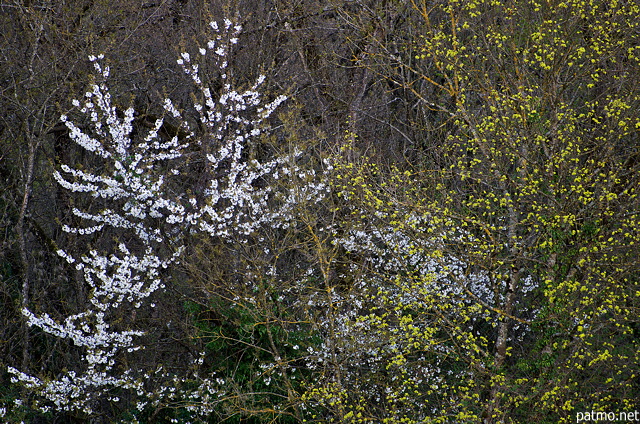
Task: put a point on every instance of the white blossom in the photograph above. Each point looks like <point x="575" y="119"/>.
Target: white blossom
<point x="242" y="196"/>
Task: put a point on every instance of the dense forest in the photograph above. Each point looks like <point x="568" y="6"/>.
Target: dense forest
<point x="341" y="211"/>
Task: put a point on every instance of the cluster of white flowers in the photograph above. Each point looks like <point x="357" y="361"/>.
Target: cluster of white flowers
<point x="391" y="251"/>
<point x="236" y="201"/>
<point x="131" y="177"/>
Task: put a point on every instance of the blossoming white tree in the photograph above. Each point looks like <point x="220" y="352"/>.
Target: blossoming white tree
<point x="146" y="223"/>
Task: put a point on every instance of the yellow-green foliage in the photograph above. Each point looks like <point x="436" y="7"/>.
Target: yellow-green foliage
<point x="544" y="171"/>
<point x="540" y="197"/>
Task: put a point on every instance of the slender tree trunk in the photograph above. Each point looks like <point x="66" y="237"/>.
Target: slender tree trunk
<point x="22" y="244"/>
<point x="500" y="355"/>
